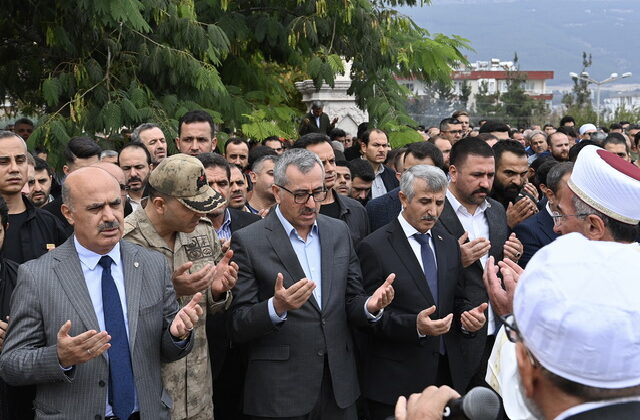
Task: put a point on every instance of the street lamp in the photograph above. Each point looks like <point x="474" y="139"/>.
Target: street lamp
<point x="585" y="77"/>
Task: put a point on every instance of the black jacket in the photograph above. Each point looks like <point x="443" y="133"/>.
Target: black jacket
<point x="354" y="215"/>
<point x="40" y="228"/>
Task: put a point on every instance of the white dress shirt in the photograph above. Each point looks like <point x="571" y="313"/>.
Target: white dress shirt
<point x="409" y="231"/>
<point x="378" y="188"/>
<point x="477" y="226"/>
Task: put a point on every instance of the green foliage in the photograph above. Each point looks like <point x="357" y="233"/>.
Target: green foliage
<point x="96" y="66"/>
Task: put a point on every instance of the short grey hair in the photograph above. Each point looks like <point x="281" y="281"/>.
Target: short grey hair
<point x="259" y="163"/>
<point x="66" y="195"/>
<point x="317" y="105"/>
<point x="135" y="135"/>
<point x="108" y="153"/>
<point x="434" y="177"/>
<point x="302" y="159"/>
<point x="534" y="133"/>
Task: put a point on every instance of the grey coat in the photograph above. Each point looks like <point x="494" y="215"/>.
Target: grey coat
<point x="52" y="290"/>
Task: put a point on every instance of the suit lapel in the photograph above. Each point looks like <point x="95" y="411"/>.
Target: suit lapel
<point x="496" y="230"/>
<point x="281" y="244"/>
<point x="132" y="286"/>
<point x="400" y="244"/>
<point x="444" y="284"/>
<point x="546" y="223"/>
<point x="326" y="253"/>
<point x="71" y="278"/>
<point x="450" y="221"/>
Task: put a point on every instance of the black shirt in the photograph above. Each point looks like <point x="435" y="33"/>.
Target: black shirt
<point x="331" y="210"/>
<point x="12" y="249"/>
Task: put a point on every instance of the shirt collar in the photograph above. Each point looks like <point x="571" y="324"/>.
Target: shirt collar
<point x="407" y="228"/>
<point x="457" y="205"/>
<point x="90" y="259"/>
<point x="227" y="219"/>
<point x="288" y="227"/>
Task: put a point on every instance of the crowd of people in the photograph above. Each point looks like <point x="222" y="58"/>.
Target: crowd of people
<point x="325" y="277"/>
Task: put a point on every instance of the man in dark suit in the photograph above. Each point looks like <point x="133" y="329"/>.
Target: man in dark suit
<point x="92" y="319"/>
<point x="537" y="231"/>
<point x="419" y="341"/>
<point x="387" y="207"/>
<point x="374" y="146"/>
<point x="316" y="121"/>
<point x="298" y="292"/>
<point x="228" y="362"/>
<point x="480" y="224"/>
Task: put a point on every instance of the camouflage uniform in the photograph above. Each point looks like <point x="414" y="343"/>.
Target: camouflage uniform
<point x="188" y="380"/>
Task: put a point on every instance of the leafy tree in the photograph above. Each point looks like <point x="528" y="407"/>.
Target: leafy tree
<point x="95" y="66"/>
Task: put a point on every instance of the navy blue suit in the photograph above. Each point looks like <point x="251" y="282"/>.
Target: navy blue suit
<point x="534" y="233"/>
<point x="384" y="209"/>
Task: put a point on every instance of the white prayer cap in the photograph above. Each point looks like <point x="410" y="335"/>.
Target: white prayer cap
<point x="607" y="183"/>
<point x="577" y="309"/>
<point x="587" y="127"/>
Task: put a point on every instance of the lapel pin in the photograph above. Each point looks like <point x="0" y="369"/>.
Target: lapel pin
<point x="136" y="264"/>
<point x="439" y="237"/>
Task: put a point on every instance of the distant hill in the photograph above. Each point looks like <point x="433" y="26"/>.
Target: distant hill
<point x="546" y="34"/>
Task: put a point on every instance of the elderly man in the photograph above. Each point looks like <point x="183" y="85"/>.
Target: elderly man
<point x="298" y="292"/>
<point x="172" y="223"/>
<point x="92" y="319"/>
<point x="423" y="327"/>
<point x="577" y="337"/>
<point x="596" y="179"/>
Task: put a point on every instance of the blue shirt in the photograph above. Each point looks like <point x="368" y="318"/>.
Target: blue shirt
<point x="309" y="255"/>
<point x="93" y="278"/>
<point x="224" y="232"/>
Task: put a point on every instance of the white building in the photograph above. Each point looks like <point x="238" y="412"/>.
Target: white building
<point x="629" y="101"/>
<point x="495" y="74"/>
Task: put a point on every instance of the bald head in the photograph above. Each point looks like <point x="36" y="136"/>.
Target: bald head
<point x="113" y="169"/>
<point x="77" y="182"/>
<point x="93" y="205"/>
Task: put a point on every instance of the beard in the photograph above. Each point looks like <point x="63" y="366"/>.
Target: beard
<point x="509" y="192"/>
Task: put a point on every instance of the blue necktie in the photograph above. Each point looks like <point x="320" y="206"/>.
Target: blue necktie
<point x="430" y="271"/>
<point x="121" y="383"/>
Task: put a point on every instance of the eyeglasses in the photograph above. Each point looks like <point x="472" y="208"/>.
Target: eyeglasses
<point x="303" y="196"/>
<point x="559" y="218"/>
<point x="513" y="334"/>
<point x="510" y="328"/>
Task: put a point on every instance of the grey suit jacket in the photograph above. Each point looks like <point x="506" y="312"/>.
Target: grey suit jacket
<point x="286" y="361"/>
<point x="52" y="290"/>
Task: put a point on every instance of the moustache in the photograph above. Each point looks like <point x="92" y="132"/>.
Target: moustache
<point x="134" y="179"/>
<point x="108" y="226"/>
<point x="307" y="211"/>
<point x="429" y="218"/>
<point x="482" y="190"/>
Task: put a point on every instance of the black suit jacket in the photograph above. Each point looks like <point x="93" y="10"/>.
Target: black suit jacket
<point x="354" y="215"/>
<point x="498" y="234"/>
<point x="389" y="178"/>
<point x="629" y="410"/>
<point x="217" y="335"/>
<point x="534" y="233"/>
<point x="287" y="360"/>
<point x="384" y="209"/>
<point x="399" y="362"/>
<point x="309" y="125"/>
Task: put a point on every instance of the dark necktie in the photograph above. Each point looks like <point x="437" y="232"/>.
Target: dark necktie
<point x="428" y="264"/>
<point x="430" y="271"/>
<point x="121" y="383"/>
